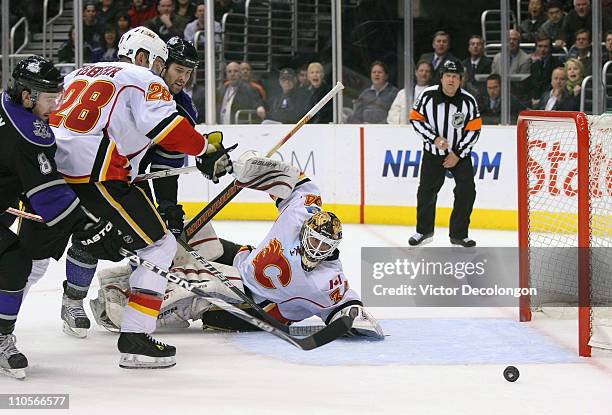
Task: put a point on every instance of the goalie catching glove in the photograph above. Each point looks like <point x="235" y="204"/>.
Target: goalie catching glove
<point x="363" y="324"/>
<point x="215" y="161"/>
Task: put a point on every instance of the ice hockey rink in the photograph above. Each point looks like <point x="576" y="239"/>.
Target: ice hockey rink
<point x="433" y="361"/>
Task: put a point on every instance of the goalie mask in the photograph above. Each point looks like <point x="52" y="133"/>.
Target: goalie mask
<point x="319" y="237"/>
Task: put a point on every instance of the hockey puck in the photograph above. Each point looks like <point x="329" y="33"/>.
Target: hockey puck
<point x="511" y="374"/>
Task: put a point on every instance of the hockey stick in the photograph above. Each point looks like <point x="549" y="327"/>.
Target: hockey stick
<point x="24" y="214"/>
<point x="227" y="194"/>
<point x="331" y="332"/>
<point x="328" y="334"/>
<point x="164" y="173"/>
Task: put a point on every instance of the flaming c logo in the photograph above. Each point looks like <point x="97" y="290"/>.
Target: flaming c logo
<point x="271" y="262"/>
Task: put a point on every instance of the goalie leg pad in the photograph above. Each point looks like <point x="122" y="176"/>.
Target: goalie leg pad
<point x="205" y="241"/>
<point x="261" y="173"/>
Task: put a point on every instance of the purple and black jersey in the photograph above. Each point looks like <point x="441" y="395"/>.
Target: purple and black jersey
<point x="27" y="166"/>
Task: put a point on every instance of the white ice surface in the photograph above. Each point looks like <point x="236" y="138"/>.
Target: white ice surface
<point x="444" y="361"/>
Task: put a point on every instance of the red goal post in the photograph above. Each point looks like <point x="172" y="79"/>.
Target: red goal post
<point x="564" y="170"/>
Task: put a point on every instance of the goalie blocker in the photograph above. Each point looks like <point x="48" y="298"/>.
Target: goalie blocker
<point x="302" y="243"/>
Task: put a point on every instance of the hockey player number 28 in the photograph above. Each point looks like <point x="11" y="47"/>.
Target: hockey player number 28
<point x="83" y="116"/>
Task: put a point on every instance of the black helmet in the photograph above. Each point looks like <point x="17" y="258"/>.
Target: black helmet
<point x="35" y="74"/>
<point x="452" y="66"/>
<point x="181" y="52"/>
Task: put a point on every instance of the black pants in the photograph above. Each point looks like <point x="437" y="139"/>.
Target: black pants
<point x="127" y="207"/>
<point x="431" y="181"/>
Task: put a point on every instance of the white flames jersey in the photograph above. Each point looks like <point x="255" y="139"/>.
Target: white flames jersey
<point x="273" y="271"/>
<point x="109" y="116"/>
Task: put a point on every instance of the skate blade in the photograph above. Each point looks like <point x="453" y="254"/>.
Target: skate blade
<point x="74" y="332"/>
<point x="139" y="361"/>
<point x="13" y="373"/>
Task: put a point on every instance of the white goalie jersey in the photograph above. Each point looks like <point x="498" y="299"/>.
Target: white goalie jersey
<point x="273" y="272"/>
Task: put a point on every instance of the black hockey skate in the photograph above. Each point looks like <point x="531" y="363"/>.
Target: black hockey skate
<point x="12" y="362"/>
<point x="141" y="351"/>
<point x="418" y="239"/>
<point x="465" y="242"/>
<point x="76" y="322"/>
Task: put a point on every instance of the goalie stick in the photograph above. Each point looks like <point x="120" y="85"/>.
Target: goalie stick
<point x="227" y="194"/>
<point x="326" y="335"/>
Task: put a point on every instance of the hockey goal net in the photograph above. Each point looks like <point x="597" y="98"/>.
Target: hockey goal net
<point x="565" y="219"/>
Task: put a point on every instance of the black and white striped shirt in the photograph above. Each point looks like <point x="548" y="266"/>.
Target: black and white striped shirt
<point x="455" y="118"/>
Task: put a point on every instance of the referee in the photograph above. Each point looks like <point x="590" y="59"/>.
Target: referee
<point x="448" y="119"/>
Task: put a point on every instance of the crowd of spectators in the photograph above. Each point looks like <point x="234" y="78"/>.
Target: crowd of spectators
<point x="546" y="75"/>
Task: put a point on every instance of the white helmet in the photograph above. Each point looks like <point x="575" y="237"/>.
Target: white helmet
<point x="142" y="38"/>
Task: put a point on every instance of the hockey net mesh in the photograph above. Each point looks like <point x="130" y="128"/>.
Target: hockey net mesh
<point x="553" y="214"/>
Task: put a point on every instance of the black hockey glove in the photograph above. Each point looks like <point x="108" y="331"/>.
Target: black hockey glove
<point x="101" y="240"/>
<point x="174" y="216"/>
<point x="215" y="162"/>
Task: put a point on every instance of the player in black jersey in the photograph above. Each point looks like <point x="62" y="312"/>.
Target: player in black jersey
<point x="180" y="66"/>
<point x="28" y="171"/>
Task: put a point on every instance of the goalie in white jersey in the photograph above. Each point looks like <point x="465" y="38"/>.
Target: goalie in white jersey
<point x="294" y="273"/>
<point x="111" y="113"/>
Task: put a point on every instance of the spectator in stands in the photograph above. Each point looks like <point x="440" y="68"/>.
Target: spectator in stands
<point x="542" y="65"/>
<point x="553" y="27"/>
<point x="237" y="95"/>
<point x="108" y="52"/>
<point x="65" y="54"/>
<point x="578" y="18"/>
<point x="490" y="104"/>
<point x="167" y="23"/>
<point x="186" y="9"/>
<point x="575" y="76"/>
<point x="107" y="12"/>
<point x="92" y="32"/>
<point x="199" y="24"/>
<point x="141" y="11"/>
<point x="520" y="62"/>
<point x="289" y="106"/>
<point x="608" y="55"/>
<point x="372" y="105"/>
<point x="302" y="77"/>
<point x="441" y="54"/>
<point x="246" y="73"/>
<point x="123" y="23"/>
<point x="558" y="98"/>
<point x="316" y="90"/>
<point x="531" y="26"/>
<point x="423" y="74"/>
<point x="477" y="62"/>
<point x="581" y="50"/>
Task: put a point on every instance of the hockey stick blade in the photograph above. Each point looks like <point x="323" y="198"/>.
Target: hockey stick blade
<point x="330" y="333"/>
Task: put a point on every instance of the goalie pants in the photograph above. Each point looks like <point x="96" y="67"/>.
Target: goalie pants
<point x="433" y="174"/>
<point x="128" y="208"/>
